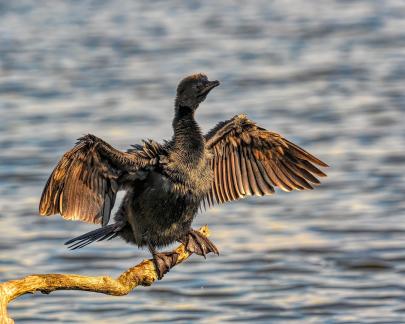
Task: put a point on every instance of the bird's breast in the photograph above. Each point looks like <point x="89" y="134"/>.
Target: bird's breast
<point x="192" y="180"/>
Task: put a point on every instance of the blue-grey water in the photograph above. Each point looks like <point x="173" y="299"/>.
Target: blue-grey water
<point x="329" y="75"/>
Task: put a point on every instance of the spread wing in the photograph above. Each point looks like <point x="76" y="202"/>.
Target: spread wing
<point x="84" y="183"/>
<point x="250" y="160"/>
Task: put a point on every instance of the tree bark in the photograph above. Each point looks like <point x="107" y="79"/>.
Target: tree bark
<point x="142" y="274"/>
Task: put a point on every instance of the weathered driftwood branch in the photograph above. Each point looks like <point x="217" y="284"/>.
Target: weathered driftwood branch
<point x="142" y="274"/>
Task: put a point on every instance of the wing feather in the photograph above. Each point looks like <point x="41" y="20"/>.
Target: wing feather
<point x="232" y="168"/>
<point x="238" y="172"/>
<point x="244" y="173"/>
<point x="250" y="160"/>
<point x="217" y="182"/>
<point x="260" y="179"/>
<point x="265" y="176"/>
<point x="225" y="185"/>
<point x="251" y="175"/>
<point x="84" y="183"/>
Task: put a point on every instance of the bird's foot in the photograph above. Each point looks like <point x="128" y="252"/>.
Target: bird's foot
<point x="164" y="261"/>
<point x="197" y="243"/>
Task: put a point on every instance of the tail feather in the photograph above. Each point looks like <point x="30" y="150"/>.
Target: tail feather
<point x="100" y="234"/>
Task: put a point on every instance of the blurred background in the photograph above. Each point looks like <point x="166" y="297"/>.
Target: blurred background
<point x="328" y="75"/>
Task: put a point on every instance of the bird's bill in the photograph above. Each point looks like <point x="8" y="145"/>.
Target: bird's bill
<point x="211" y="85"/>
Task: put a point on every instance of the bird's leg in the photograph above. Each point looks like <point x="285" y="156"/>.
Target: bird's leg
<point x="163" y="261"/>
<point x="197" y="243"/>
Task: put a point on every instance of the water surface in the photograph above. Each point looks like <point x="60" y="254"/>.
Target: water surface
<point x="329" y="75"/>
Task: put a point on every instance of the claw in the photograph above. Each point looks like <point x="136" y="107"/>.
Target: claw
<point x="197" y="243"/>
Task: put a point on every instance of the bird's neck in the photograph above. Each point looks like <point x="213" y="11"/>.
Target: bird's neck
<point x="187" y="138"/>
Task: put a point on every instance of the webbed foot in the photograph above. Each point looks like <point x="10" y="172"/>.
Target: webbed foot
<point x="164" y="261"/>
<point x="199" y="244"/>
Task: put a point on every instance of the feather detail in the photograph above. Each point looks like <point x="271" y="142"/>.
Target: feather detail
<point x="250" y="160"/>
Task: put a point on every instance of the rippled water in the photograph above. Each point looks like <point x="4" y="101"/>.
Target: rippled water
<point x="329" y="75"/>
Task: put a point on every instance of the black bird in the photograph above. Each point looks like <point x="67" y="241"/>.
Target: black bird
<point x="167" y="183"/>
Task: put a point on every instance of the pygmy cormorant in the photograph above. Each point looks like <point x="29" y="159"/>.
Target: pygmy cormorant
<point x="166" y="183"/>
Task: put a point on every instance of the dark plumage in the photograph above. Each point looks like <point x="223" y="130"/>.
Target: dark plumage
<point x="166" y="183"/>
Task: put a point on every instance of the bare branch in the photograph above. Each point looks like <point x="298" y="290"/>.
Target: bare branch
<point x="142" y="274"/>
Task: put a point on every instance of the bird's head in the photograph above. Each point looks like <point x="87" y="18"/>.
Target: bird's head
<point x="193" y="90"/>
